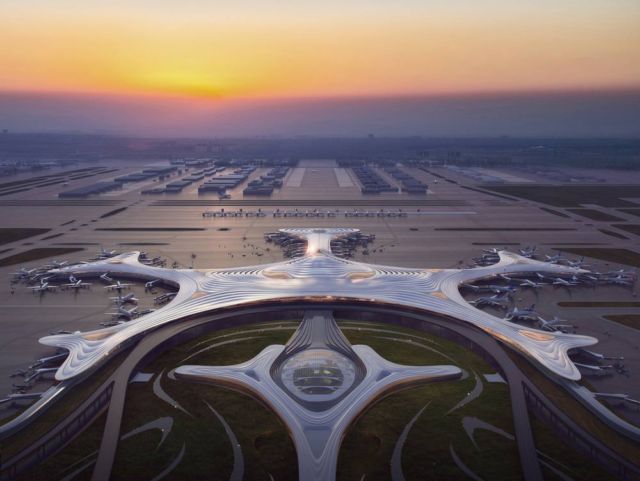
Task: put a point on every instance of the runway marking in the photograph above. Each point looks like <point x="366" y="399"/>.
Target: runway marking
<point x="343" y="178"/>
<point x="296" y="176"/>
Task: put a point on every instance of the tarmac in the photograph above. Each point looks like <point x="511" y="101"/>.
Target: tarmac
<point x="419" y="240"/>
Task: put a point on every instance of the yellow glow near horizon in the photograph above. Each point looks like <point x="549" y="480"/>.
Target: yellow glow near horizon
<point x="288" y="50"/>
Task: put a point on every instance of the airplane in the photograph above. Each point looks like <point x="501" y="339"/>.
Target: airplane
<point x="123" y="313"/>
<point x="481" y="261"/>
<point x="595" y="370"/>
<point x="559" y="281"/>
<point x="164" y="297"/>
<point x="599" y="356"/>
<point x="554" y="325"/>
<point x="577" y="263"/>
<point x="525" y="314"/>
<point x="555" y="259"/>
<point x="105" y="277"/>
<point x="619" y="281"/>
<point x="616" y="397"/>
<point x="21" y="396"/>
<point x="24" y="272"/>
<point x="118" y="286"/>
<point x="111" y="323"/>
<point x="502" y="289"/>
<point x="55" y="359"/>
<point x="39" y="372"/>
<point x="149" y="285"/>
<point x="494" y="251"/>
<point x="592" y="278"/>
<point x="506" y="278"/>
<point x="25" y="275"/>
<point x="528" y="252"/>
<point x="121" y="300"/>
<point x="43" y="287"/>
<point x="154" y="262"/>
<point x="532" y="284"/>
<point x="76" y="284"/>
<point x="622" y="272"/>
<point x="105" y="254"/>
<point x="496" y="300"/>
<point x="54" y="264"/>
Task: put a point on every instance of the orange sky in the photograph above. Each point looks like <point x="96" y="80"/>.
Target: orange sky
<point x="281" y="48"/>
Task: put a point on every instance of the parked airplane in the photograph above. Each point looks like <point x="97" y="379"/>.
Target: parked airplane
<point x="525" y="314"/>
<point x="122" y="300"/>
<point x="55" y="359"/>
<point x="39" y="372"/>
<point x="123" y="313"/>
<point x="21" y="396"/>
<point x="111" y="323"/>
<point x="619" y="281"/>
<point x="577" y="263"/>
<point x="151" y="284"/>
<point x="497" y="300"/>
<point x="554" y="324"/>
<point x="622" y="272"/>
<point x="161" y="299"/>
<point x="559" y="281"/>
<point x="24" y="274"/>
<point x="506" y="278"/>
<point x="598" y="356"/>
<point x="55" y="264"/>
<point x="555" y="259"/>
<point x="105" y="278"/>
<point x="502" y="289"/>
<point x="118" y="286"/>
<point x="105" y="254"/>
<point x="528" y="252"/>
<point x="43" y="287"/>
<point x="591" y="369"/>
<point x="60" y="331"/>
<point x="154" y="261"/>
<point x="532" y="284"/>
<point x="76" y="284"/>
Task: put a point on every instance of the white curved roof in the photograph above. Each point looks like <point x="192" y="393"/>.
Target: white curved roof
<point x="319" y="275"/>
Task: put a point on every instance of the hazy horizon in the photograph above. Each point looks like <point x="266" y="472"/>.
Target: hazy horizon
<point x="536" y="114"/>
